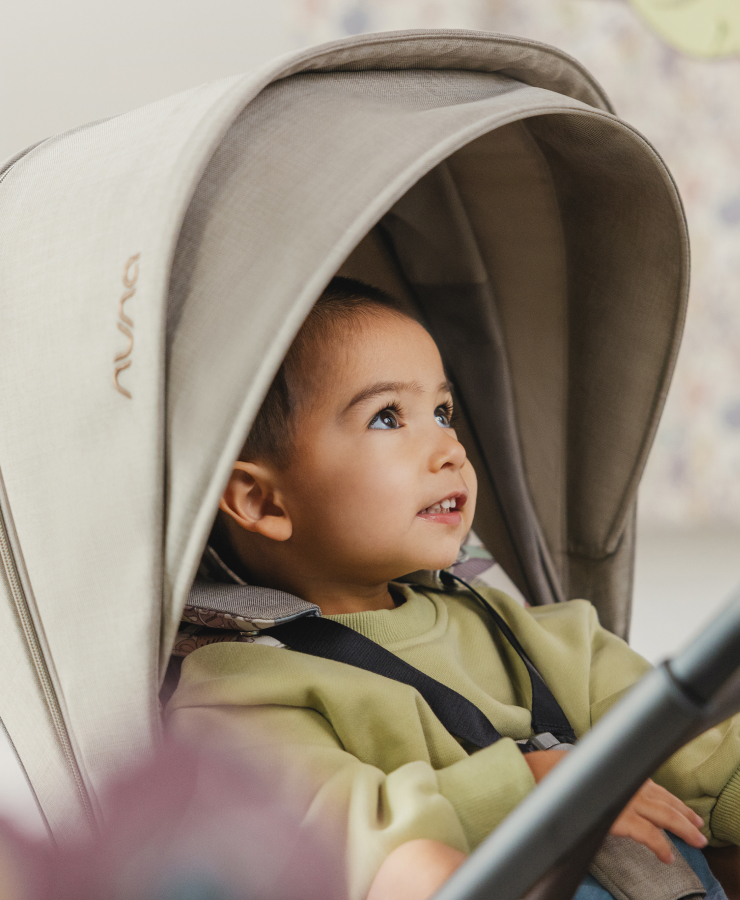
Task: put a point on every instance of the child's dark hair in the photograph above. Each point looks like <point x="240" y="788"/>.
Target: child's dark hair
<point x="344" y="301"/>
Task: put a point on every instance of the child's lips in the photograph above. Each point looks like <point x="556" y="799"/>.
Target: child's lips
<point x="445" y="518"/>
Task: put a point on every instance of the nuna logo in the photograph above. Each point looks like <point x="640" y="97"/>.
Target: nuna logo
<point x="122" y="361"/>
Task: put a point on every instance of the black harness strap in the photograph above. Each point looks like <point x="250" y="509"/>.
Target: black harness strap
<point x="328" y="639"/>
<point x="331" y="640"/>
<point x="547" y="714"/>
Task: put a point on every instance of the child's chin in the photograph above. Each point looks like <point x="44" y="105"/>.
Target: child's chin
<point x="425" y="558"/>
<point x="438" y="560"/>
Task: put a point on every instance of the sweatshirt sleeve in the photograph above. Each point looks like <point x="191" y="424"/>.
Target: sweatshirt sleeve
<point x="363" y="811"/>
<point x="705" y="774"/>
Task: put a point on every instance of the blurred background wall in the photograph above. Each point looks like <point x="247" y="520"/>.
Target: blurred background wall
<point x="672" y="70"/>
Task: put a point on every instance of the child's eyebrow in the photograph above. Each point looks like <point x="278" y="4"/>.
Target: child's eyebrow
<point x="392" y="387"/>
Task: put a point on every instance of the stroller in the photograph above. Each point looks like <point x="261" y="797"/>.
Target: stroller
<point x="482" y="179"/>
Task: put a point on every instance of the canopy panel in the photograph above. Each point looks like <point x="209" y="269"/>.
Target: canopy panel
<point x="156" y="267"/>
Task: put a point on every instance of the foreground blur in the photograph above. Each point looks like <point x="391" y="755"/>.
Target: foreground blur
<point x="184" y="826"/>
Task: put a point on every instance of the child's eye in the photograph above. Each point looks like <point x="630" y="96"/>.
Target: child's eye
<point x="443" y="415"/>
<point x="385" y="419"/>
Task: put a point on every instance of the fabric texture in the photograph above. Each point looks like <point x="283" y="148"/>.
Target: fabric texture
<point x="629" y="871"/>
<point x="242" y="607"/>
<point x="591" y="889"/>
<point x="366" y="757"/>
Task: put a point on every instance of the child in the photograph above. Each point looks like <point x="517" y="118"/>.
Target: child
<point x="351" y="478"/>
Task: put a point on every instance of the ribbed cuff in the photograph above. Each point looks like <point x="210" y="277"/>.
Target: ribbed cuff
<point x="485" y="787"/>
<point x="725" y="818"/>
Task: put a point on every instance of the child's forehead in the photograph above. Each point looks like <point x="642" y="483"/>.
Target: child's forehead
<point x="385" y="339"/>
<point x="386" y="348"/>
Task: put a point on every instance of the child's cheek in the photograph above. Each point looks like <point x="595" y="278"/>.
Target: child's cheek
<point x="471" y="482"/>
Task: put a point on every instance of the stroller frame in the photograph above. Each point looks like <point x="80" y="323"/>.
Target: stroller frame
<point x="486" y="181"/>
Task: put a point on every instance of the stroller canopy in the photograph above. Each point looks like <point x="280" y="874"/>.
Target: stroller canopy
<point x="155" y="267"/>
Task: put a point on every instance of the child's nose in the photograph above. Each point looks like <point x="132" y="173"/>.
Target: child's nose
<point x="448" y="452"/>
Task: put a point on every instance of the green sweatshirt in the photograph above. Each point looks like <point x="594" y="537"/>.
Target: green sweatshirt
<point x="365" y="757"/>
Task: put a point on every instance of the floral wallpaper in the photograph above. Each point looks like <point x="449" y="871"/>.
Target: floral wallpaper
<point x="675" y="77"/>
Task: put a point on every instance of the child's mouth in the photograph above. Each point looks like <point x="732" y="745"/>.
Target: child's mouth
<point x="446" y="512"/>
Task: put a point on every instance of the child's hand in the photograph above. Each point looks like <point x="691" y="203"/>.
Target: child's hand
<point x="652" y="809"/>
<point x="541" y="761"/>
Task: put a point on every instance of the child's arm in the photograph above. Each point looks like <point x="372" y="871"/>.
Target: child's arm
<point x="364" y="813"/>
<point x="416" y="870"/>
<point x="360" y="755"/>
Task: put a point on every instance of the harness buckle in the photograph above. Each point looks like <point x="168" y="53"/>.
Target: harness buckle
<point x="544" y="741"/>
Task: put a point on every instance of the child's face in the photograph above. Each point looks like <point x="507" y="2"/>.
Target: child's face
<point x="375" y="457"/>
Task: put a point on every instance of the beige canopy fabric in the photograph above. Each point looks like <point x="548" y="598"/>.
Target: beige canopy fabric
<point x="155" y="267"/>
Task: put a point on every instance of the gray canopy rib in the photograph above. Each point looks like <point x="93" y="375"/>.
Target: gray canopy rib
<point x="155" y="267"/>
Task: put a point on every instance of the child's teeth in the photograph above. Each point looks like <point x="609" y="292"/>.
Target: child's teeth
<point x="442" y="507"/>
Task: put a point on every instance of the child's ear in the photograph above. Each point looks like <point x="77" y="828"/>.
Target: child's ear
<point x="254" y="503"/>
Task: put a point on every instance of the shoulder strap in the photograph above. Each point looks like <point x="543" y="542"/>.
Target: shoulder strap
<point x="332" y="640"/>
<point x="547" y="714"/>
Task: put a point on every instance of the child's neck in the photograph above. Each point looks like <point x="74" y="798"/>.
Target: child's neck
<point x="335" y="599"/>
<point x="333" y="596"/>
